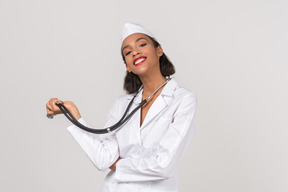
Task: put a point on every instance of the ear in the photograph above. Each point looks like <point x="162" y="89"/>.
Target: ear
<point x="128" y="69"/>
<point x="159" y="51"/>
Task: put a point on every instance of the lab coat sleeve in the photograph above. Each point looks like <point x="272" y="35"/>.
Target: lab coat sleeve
<point x="102" y="151"/>
<point x="164" y="161"/>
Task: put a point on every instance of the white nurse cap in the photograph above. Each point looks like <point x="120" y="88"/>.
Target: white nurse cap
<point x="131" y="28"/>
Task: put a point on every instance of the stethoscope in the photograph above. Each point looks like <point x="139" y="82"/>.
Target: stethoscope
<point x="117" y="125"/>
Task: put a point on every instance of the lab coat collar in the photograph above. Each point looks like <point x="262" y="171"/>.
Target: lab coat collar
<point x="169" y="88"/>
<point x="160" y="103"/>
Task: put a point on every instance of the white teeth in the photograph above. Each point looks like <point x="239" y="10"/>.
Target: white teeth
<point x="139" y="60"/>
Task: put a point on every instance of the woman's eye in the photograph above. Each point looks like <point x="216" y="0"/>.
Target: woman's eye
<point x="126" y="54"/>
<point x="143" y="45"/>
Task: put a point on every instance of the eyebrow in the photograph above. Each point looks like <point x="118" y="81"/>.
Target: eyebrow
<point x="135" y="42"/>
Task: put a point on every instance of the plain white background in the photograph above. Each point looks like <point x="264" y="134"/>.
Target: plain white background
<point x="233" y="54"/>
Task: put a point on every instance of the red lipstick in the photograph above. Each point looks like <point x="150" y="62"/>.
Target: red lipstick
<point x="139" y="60"/>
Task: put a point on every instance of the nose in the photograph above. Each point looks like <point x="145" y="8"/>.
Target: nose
<point x="136" y="51"/>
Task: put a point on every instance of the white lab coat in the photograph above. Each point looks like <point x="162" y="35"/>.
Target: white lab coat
<point x="149" y="154"/>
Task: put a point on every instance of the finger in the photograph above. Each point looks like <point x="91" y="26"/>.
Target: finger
<point x="56" y="101"/>
<point x="52" y="101"/>
<point x="48" y="109"/>
<point x="51" y="106"/>
<point x="55" y="106"/>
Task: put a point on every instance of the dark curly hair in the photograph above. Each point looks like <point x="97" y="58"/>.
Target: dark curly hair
<point x="132" y="82"/>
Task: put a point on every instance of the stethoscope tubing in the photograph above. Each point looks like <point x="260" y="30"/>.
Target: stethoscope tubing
<point x="122" y="120"/>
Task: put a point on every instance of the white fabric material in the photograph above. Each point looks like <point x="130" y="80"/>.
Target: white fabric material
<point x="131" y="28"/>
<point x="149" y="154"/>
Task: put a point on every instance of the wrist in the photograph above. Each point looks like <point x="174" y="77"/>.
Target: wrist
<point x="73" y="110"/>
<point x="76" y="114"/>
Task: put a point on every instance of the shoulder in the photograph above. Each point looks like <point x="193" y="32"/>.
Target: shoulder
<point x="182" y="92"/>
<point x="178" y="92"/>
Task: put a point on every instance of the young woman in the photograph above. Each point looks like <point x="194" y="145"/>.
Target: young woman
<point x="144" y="153"/>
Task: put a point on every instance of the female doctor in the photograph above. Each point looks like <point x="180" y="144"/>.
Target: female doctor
<point x="144" y="153"/>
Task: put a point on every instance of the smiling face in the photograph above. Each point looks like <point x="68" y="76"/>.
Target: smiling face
<point x="140" y="54"/>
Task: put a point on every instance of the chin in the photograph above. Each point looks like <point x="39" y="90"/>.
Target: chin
<point x="141" y="71"/>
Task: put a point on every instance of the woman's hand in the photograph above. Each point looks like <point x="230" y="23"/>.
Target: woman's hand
<point x="113" y="167"/>
<point x="53" y="109"/>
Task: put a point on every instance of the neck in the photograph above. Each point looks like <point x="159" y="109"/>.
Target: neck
<point x="151" y="84"/>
